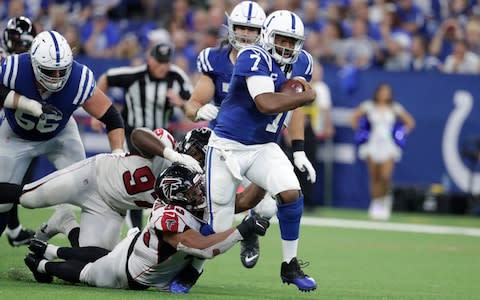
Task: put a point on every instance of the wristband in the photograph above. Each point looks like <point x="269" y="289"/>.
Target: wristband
<point x="298" y="145"/>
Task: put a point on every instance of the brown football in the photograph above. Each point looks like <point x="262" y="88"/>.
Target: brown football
<point x="291" y="86"/>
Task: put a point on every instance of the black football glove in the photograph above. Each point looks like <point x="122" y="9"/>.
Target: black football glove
<point x="52" y="111"/>
<point x="253" y="225"/>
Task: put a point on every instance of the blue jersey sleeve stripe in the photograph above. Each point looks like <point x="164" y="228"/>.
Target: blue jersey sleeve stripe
<point x="81" y="83"/>
<point x="14" y="72"/>
<point x="207" y="61"/>
<point x="309" y="71"/>
<point x="200" y="62"/>
<point x="88" y="89"/>
<point x="8" y="69"/>
<point x="203" y="63"/>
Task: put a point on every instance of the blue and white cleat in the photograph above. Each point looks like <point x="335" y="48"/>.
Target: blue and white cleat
<point x="292" y="273"/>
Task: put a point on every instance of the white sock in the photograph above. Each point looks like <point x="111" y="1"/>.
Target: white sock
<point x="13" y="233"/>
<point x="198" y="264"/>
<point x="289" y="250"/>
<point x="51" y="252"/>
<point x="41" y="266"/>
<point x="69" y="225"/>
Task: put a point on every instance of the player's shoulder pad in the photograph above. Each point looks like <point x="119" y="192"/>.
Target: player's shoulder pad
<point x="172" y="218"/>
<point x="10" y="69"/>
<point x="305" y="61"/>
<point x="207" y="59"/>
<point x="86" y="82"/>
<point x="244" y="58"/>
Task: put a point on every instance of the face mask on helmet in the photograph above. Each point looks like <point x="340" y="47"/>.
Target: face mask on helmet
<point x="244" y="24"/>
<point x="18" y="35"/>
<point x="283" y="36"/>
<point x="51" y="60"/>
<point x="195" y="144"/>
<point x="182" y="186"/>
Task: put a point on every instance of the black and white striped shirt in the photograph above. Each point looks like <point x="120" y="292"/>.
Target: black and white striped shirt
<point x="146" y="103"/>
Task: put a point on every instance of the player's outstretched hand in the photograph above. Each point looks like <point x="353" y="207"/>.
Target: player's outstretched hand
<point x="207" y="112"/>
<point x="51" y="110"/>
<point x="253" y="225"/>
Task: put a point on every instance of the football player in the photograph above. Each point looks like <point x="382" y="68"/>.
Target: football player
<point x="17" y="38"/>
<point x="216" y="67"/>
<point x="105" y="186"/>
<point x="249" y="122"/>
<point x="154" y="257"/>
<point x="39" y="91"/>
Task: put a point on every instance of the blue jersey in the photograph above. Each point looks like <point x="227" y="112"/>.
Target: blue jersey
<point x="17" y="74"/>
<point x="239" y="119"/>
<point x="216" y="64"/>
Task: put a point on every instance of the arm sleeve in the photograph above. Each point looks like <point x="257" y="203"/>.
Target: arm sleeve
<point x="214" y="250"/>
<point x="204" y="62"/>
<point x="259" y="85"/>
<point x="398" y="108"/>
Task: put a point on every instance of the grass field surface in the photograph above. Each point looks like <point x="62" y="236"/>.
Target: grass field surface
<point x="348" y="263"/>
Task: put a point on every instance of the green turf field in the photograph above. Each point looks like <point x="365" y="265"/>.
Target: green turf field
<point x="347" y="264"/>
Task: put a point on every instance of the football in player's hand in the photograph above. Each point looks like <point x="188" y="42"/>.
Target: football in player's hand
<point x="291" y="86"/>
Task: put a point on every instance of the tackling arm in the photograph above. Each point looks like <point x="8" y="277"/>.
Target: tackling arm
<point x="194" y="243"/>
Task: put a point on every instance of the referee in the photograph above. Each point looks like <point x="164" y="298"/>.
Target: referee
<point x="152" y="90"/>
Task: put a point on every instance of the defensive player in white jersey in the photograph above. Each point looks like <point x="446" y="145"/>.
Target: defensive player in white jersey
<point x="39" y="91"/>
<point x="156" y="256"/>
<point x="105" y="186"/>
<point x="216" y="67"/>
<point x="249" y="122"/>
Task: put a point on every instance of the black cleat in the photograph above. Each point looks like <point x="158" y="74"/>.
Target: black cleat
<point x="249" y="251"/>
<point x="23" y="238"/>
<point x="292" y="273"/>
<point x="32" y="263"/>
<point x="38" y="247"/>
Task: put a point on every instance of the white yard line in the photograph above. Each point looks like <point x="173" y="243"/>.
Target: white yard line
<point x="385" y="226"/>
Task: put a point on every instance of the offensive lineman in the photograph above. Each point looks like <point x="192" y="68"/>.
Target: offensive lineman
<point x="39" y="91"/>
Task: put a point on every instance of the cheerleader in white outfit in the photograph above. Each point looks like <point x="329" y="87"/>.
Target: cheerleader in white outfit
<point x="380" y="150"/>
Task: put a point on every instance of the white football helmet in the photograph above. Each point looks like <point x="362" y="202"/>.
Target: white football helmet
<point x="52" y="60"/>
<point x="284" y="23"/>
<point x="247" y="14"/>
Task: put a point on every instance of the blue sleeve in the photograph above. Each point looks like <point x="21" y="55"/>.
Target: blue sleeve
<point x="304" y="66"/>
<point x="252" y="62"/>
<point x="9" y="71"/>
<point x="86" y="84"/>
<point x="204" y="61"/>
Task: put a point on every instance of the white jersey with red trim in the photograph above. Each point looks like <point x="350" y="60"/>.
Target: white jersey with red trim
<point x="127" y="181"/>
<point x="153" y="261"/>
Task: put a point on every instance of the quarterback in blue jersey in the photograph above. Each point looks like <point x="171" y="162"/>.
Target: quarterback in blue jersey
<point x="39" y="92"/>
<point x="216" y="68"/>
<point x="248" y="126"/>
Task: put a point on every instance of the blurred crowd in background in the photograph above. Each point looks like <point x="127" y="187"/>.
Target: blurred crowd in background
<point x="417" y="35"/>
